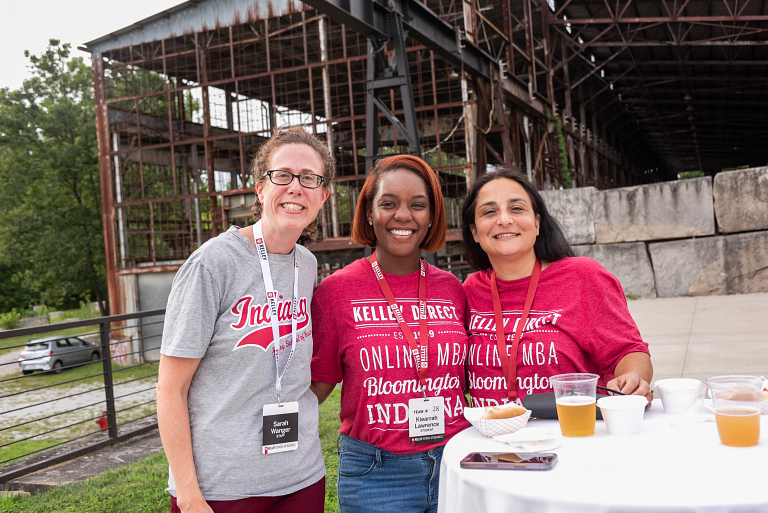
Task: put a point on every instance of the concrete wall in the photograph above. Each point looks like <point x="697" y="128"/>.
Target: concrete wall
<point x="676" y="238"/>
<point x="154" y="289"/>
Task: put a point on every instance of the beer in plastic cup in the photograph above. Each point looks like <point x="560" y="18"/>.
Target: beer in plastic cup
<point x="575" y="401"/>
<point x="737" y="408"/>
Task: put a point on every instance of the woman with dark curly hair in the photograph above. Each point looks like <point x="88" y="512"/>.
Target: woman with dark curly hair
<point x="391" y="327"/>
<point x="237" y="418"/>
<point x="535" y="310"/>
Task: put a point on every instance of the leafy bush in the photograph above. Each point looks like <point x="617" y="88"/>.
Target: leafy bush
<point x="10" y="320"/>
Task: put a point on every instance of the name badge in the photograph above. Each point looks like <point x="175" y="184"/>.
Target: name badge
<point x="280" y="428"/>
<point x="426" y="420"/>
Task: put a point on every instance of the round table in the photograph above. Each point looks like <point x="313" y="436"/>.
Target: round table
<point x="680" y="468"/>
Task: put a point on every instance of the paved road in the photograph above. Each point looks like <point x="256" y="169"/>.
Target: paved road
<point x="701" y="337"/>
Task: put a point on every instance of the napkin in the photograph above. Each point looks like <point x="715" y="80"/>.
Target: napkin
<point x="532" y="439"/>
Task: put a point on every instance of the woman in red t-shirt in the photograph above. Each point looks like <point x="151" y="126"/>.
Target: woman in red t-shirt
<point x="578" y="320"/>
<point x="391" y="327"/>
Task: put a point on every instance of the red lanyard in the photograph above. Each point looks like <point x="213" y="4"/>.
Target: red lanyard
<point x="421" y="349"/>
<point x="510" y="370"/>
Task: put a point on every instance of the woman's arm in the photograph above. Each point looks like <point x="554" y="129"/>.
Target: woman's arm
<point x="634" y="373"/>
<point x="322" y="390"/>
<point x="173" y="382"/>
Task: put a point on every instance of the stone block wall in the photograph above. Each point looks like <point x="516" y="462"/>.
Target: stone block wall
<point x="573" y="209"/>
<point x="628" y="261"/>
<point x="684" y="238"/>
<point x="731" y="189"/>
<point x="667" y="210"/>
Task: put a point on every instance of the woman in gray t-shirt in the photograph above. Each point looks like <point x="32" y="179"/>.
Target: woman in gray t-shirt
<point x="237" y="418"/>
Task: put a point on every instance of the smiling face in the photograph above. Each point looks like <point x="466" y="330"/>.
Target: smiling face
<point x="288" y="209"/>
<point x="400" y="213"/>
<point x="505" y="225"/>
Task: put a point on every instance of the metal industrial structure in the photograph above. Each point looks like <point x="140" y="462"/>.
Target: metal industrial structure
<point x="602" y="93"/>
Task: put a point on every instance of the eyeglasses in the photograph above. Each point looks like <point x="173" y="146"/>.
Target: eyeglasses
<point x="307" y="180"/>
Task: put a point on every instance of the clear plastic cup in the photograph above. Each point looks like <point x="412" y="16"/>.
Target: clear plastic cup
<point x="737" y="408"/>
<point x="575" y="401"/>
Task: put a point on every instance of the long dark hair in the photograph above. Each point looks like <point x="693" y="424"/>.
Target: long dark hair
<point x="551" y="244"/>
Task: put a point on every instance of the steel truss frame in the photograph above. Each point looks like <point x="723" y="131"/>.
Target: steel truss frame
<point x="597" y="92"/>
<point x="671" y="64"/>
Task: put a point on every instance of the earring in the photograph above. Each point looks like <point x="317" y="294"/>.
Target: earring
<point x="370" y="222"/>
<point x="430" y="225"/>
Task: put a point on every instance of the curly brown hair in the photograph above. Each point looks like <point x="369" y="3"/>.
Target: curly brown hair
<point x="292" y="135"/>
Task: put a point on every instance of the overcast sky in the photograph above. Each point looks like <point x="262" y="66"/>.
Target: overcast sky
<point x="28" y="25"/>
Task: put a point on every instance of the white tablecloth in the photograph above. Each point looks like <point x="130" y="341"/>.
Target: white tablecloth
<point x="664" y="468"/>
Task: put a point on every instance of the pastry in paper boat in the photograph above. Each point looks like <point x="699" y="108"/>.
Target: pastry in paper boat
<point x="497" y="425"/>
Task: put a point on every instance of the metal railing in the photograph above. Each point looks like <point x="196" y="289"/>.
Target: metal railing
<point x="50" y="410"/>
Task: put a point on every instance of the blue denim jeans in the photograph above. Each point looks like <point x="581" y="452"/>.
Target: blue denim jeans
<point x="372" y="480"/>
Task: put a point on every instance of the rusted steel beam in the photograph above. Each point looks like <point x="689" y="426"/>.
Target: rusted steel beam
<point x="579" y="47"/>
<point x="149" y="269"/>
<point x="369" y="18"/>
<point x="598" y="67"/>
<point x="546" y="15"/>
<point x="692" y="62"/>
<point x="658" y="19"/>
<point x="207" y="143"/>
<point x="105" y="173"/>
<point x="643" y="44"/>
<point x="529" y="46"/>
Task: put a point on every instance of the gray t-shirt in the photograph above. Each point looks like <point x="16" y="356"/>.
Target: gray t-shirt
<point x="216" y="311"/>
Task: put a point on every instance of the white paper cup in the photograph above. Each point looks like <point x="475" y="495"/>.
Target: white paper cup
<point x="623" y="414"/>
<point x="678" y="395"/>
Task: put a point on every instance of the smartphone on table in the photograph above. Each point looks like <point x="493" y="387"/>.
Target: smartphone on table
<point x="510" y="460"/>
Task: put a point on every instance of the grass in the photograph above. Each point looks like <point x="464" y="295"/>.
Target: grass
<point x="139" y="487"/>
<point x="84" y="312"/>
<point x="40" y="379"/>
<point x="11" y="451"/>
<point x="329" y="430"/>
<point x="135" y="488"/>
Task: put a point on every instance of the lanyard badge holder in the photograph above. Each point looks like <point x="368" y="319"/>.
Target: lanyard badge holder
<point x="426" y="417"/>
<point x="280" y="428"/>
<point x="509" y="368"/>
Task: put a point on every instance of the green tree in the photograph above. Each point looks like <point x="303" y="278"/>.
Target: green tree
<point x="50" y="199"/>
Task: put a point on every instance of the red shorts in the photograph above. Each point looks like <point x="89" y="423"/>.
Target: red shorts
<point x="307" y="500"/>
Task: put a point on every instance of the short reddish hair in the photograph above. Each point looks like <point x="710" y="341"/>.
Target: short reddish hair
<point x="362" y="232"/>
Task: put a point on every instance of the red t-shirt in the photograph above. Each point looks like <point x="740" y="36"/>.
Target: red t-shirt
<point x="579" y="322"/>
<point x="358" y="340"/>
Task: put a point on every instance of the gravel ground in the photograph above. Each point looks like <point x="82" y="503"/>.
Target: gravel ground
<point x="90" y="397"/>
